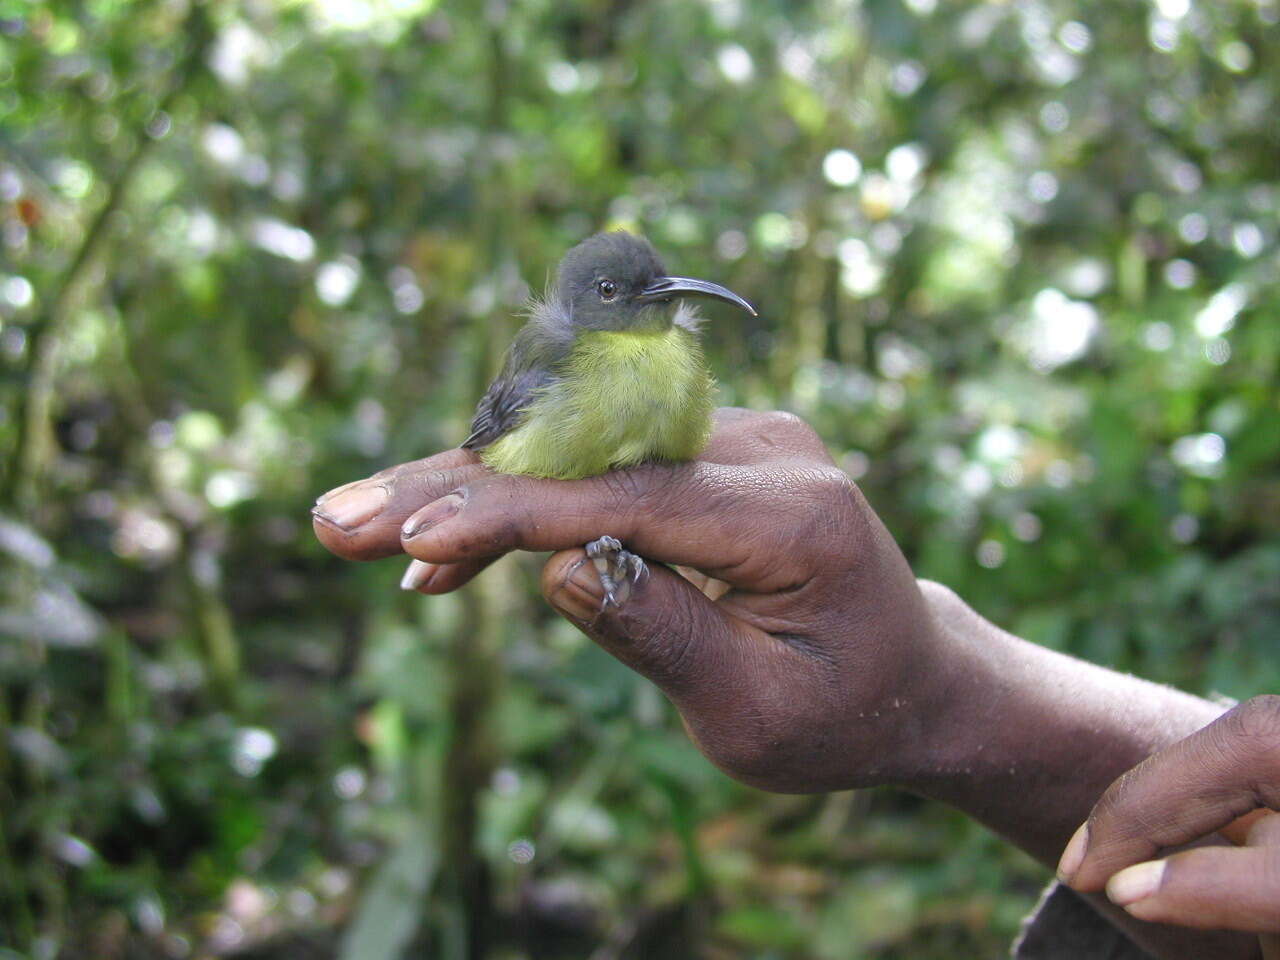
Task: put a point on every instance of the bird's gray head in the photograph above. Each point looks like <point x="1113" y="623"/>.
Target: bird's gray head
<point x="614" y="281"/>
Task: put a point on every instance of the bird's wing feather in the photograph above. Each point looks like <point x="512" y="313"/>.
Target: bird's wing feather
<point x="503" y="405"/>
<point x="530" y="365"/>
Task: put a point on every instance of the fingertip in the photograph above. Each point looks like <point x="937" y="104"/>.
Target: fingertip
<point x="357" y="544"/>
<point x="1073" y="854"/>
<point x="572" y="586"/>
<point x="1136" y="883"/>
<point x="416" y="574"/>
<point x="330" y="494"/>
<point x="363" y="520"/>
<point x="353" y="505"/>
<point x="559" y="567"/>
<point x="432" y="579"/>
<point x="432" y="515"/>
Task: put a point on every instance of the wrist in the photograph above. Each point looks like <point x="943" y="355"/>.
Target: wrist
<point x="900" y="716"/>
<point x="951" y="688"/>
<point x="1025" y="739"/>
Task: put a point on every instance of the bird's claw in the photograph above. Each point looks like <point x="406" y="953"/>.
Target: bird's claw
<point x="619" y="569"/>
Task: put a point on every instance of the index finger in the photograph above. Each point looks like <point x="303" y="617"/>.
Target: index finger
<point x="1183" y="793"/>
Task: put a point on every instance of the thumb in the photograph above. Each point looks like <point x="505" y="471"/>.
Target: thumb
<point x="666" y="629"/>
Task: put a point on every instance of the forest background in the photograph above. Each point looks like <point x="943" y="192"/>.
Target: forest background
<point x="1016" y="261"/>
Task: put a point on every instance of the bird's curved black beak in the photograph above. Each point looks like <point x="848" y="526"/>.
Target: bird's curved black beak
<point x="668" y="288"/>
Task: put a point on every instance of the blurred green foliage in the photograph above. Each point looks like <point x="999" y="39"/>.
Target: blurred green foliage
<point x="1017" y="262"/>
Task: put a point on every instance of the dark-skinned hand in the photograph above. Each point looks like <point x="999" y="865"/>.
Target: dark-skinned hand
<point x="806" y="675"/>
<point x="821" y="663"/>
<point x="1223" y="778"/>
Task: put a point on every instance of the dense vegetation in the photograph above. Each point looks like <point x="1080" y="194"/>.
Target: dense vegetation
<point x="1016" y="261"/>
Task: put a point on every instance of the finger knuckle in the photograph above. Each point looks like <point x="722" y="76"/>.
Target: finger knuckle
<point x="1252" y="730"/>
<point x="782" y="421"/>
<point x="831" y="502"/>
<point x="692" y="493"/>
<point x="1253" y="724"/>
<point x="780" y="424"/>
<point x="426" y="485"/>
<point x="833" y="486"/>
<point x="629" y="491"/>
<point x="1259" y="717"/>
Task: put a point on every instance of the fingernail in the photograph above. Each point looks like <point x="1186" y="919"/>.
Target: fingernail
<point x="324" y="497"/>
<point x="580" y="594"/>
<point x="431" y="514"/>
<point x="1135" y="883"/>
<point x="355" y="506"/>
<point x="1073" y="855"/>
<point x="416" y="575"/>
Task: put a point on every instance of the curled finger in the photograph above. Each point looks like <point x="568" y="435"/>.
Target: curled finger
<point x="435" y="578"/>
<point x="1228" y="888"/>
<point x="1183" y="793"/>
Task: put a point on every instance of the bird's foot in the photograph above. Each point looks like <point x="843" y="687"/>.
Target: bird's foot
<point x="617" y="568"/>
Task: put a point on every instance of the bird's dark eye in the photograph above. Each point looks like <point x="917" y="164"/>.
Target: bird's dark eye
<point x="607" y="289"/>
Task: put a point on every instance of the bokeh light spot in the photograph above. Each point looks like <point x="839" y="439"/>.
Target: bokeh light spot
<point x="990" y="554"/>
<point x="521" y="851"/>
<point x="735" y="63"/>
<point x="841" y="168"/>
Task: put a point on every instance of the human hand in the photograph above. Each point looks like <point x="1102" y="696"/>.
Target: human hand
<point x="1223" y="778"/>
<point x="813" y="672"/>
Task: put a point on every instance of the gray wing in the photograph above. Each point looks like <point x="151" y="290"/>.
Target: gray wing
<point x="530" y="365"/>
<point x="503" y="405"/>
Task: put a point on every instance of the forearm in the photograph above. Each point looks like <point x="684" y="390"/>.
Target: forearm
<point x="1027" y="739"/>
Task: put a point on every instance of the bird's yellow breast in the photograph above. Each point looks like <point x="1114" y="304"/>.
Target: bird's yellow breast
<point x="623" y="397"/>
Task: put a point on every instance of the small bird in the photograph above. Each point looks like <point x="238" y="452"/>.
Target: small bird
<point x="605" y="374"/>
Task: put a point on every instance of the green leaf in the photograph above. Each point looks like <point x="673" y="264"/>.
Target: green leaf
<point x="394" y="902"/>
